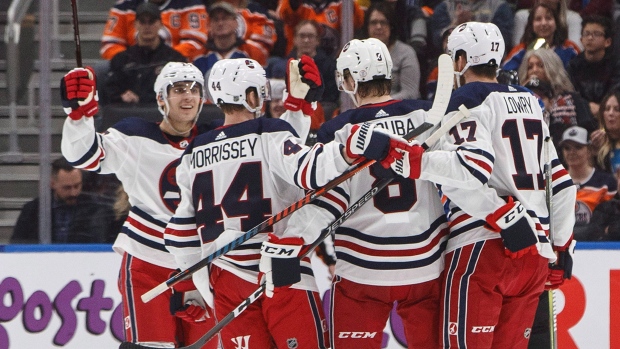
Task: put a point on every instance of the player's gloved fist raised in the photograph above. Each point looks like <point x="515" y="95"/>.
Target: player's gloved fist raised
<point x="516" y="228"/>
<point x="187" y="303"/>
<point x="410" y="165"/>
<point x="78" y="93"/>
<point x="303" y="85"/>
<point x="563" y="268"/>
<point x="374" y="143"/>
<point x="279" y="265"/>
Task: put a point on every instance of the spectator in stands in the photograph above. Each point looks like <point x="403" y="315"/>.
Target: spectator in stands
<point x="594" y="186"/>
<point x="568" y="18"/>
<point x="451" y="13"/>
<point x="543" y="23"/>
<point x="380" y="23"/>
<point x="133" y="71"/>
<point x="275" y="106"/>
<point x="566" y="108"/>
<point x="223" y="41"/>
<point x="431" y="80"/>
<point x="605" y="222"/>
<point x="325" y="12"/>
<point x="595" y="71"/>
<point x="77" y="217"/>
<point x="184" y="27"/>
<point x="255" y="28"/>
<point x="603" y="8"/>
<point x="606" y="140"/>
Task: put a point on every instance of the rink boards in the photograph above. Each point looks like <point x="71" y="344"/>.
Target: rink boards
<point x="65" y="296"/>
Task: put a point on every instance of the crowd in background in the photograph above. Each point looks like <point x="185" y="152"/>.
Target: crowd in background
<point x="565" y="51"/>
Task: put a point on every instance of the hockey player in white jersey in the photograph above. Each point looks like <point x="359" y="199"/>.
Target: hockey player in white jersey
<point x="391" y="251"/>
<point x="143" y="155"/>
<point x="490" y="168"/>
<point x="234" y="177"/>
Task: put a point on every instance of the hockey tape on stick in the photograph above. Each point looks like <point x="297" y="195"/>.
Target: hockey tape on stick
<point x="435" y="114"/>
<point x="553" y="323"/>
<point x="330" y="229"/>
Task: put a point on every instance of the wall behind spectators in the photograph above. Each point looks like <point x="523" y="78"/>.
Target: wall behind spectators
<point x="66" y="296"/>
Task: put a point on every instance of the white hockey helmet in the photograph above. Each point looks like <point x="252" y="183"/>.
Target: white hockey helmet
<point x="366" y="60"/>
<point x="483" y="43"/>
<point x="230" y="79"/>
<point x="174" y="72"/>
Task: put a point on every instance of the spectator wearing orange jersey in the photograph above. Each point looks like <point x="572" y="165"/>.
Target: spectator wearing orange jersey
<point x="223" y="41"/>
<point x="184" y="27"/>
<point x="325" y="12"/>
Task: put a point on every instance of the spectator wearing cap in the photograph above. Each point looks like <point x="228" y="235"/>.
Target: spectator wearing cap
<point x="593" y="186"/>
<point x="565" y="108"/>
<point x="133" y="71"/>
<point x="275" y="106"/>
<point x="223" y="41"/>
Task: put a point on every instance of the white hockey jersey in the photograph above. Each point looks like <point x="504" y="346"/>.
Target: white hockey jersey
<point x="398" y="238"/>
<point x="499" y="152"/>
<point x="144" y="159"/>
<point x="235" y="177"/>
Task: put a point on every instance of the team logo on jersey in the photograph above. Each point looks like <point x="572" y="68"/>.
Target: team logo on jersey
<point x="168" y="188"/>
<point x="453" y="327"/>
<point x="381" y="113"/>
<point x="292" y="343"/>
<point x="183" y="144"/>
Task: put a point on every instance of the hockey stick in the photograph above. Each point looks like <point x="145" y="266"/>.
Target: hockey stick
<point x="463" y="113"/>
<point x="553" y="324"/>
<point x="76" y="34"/>
<point x="435" y="114"/>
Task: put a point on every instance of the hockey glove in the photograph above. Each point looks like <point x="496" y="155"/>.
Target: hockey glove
<point x="516" y="228"/>
<point x="410" y="166"/>
<point x="372" y="142"/>
<point x="562" y="269"/>
<point x="78" y="93"/>
<point x="279" y="265"/>
<point x="303" y="85"/>
<point x="187" y="303"/>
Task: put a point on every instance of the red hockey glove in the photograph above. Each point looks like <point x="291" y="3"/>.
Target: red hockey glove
<point x="303" y="85"/>
<point x="373" y="142"/>
<point x="562" y="269"/>
<point x="78" y="93"/>
<point x="410" y="166"/>
<point x="279" y="265"/>
<point x="187" y="303"/>
<point x="516" y="228"/>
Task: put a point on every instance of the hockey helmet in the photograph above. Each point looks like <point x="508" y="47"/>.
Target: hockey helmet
<point x="230" y="78"/>
<point x="174" y="72"/>
<point x="482" y="42"/>
<point x="366" y="60"/>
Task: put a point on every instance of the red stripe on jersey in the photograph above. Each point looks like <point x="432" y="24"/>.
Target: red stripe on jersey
<point x="459" y="220"/>
<point x="336" y="201"/>
<point x="181" y="233"/>
<point x="392" y="253"/>
<point x="244" y="257"/>
<point x="304" y="180"/>
<point x="480" y="163"/>
<point x="143" y="228"/>
<point x="559" y="174"/>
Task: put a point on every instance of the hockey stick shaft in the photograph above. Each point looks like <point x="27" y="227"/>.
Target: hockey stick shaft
<point x="553" y="324"/>
<point x="76" y="34"/>
<point x="435" y="114"/>
<point x="325" y="233"/>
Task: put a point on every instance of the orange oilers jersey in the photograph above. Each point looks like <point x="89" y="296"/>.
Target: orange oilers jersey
<point x="184" y="27"/>
<point x="600" y="187"/>
<point x="327" y="15"/>
<point x="256" y="30"/>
